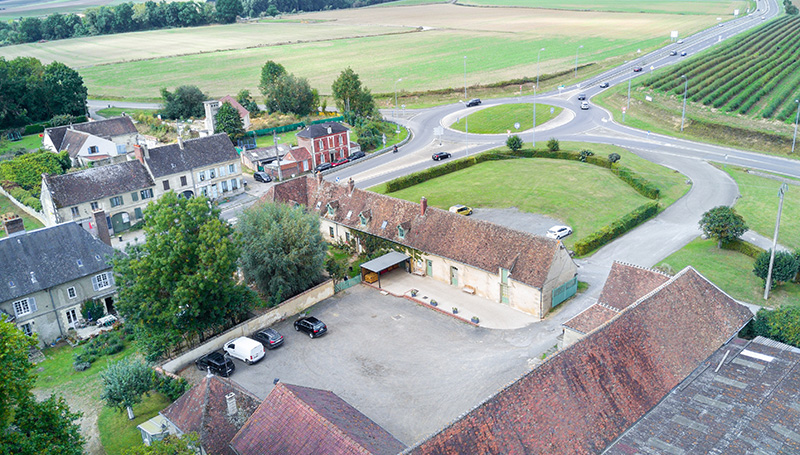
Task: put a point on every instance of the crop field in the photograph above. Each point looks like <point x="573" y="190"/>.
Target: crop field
<point x="499" y="45"/>
<point x="756" y="75"/>
<point x="626" y="6"/>
<point x="14" y="9"/>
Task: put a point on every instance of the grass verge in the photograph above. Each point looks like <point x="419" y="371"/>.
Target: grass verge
<point x="117" y="433"/>
<point x="57" y="374"/>
<point x="29" y="142"/>
<point x="30" y="223"/>
<point x="500" y="119"/>
<point x="118" y="111"/>
<point x="732" y="272"/>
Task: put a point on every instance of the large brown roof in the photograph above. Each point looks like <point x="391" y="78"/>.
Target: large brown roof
<point x="628" y="283"/>
<point x="581" y="399"/>
<point x="204" y="410"/>
<point x="96" y="183"/>
<point x="301" y="420"/>
<point x="481" y="244"/>
<point x="591" y="318"/>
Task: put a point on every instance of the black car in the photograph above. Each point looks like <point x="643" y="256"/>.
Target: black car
<point x="311" y="325"/>
<point x="262" y="177"/>
<point x="637" y="69"/>
<point x="219" y="364"/>
<point x="440" y="156"/>
<point x="473" y="102"/>
<point x="581" y="97"/>
<point x="604" y="85"/>
<point x="270" y="338"/>
<point x="357" y="155"/>
<point x="323" y="167"/>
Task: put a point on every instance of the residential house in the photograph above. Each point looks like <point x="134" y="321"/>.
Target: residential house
<point x="215" y="409"/>
<point x="528" y="272"/>
<point x="256" y="159"/>
<point x="48" y="274"/>
<point x="212" y="107"/>
<point x="208" y="166"/>
<point x="122" y="190"/>
<point x="97" y="142"/>
<point x="326" y="142"/>
<point x="625" y="285"/>
<point x="583" y="398"/>
<point x="295" y="420"/>
<point x="295" y="162"/>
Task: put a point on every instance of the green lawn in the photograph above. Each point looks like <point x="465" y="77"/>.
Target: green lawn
<point x="28" y="221"/>
<point x="624" y="6"/>
<point x="29" y="142"/>
<point x="731" y="271"/>
<point x="118" y="111"/>
<point x="500" y="119"/>
<point x="57" y="374"/>
<point x="759" y="206"/>
<point x="117" y="433"/>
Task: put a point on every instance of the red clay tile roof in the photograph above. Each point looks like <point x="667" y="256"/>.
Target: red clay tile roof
<point x="584" y="397"/>
<point x="628" y="283"/>
<point x="591" y="318"/>
<point x="302" y="420"/>
<point x="480" y="244"/>
<point x="204" y="410"/>
<point x="229" y="99"/>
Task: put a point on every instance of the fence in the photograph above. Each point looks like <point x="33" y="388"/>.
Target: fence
<point x="292" y="127"/>
<point x="342" y="285"/>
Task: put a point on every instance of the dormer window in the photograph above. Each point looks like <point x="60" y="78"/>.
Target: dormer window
<point x="332" y="209"/>
<point x="401" y="232"/>
<point x="11" y="284"/>
<point x="33" y="277"/>
<point x="97" y="256"/>
<point x="363" y="219"/>
<point x="319" y="204"/>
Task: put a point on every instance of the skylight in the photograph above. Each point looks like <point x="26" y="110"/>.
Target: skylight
<point x="383" y="225"/>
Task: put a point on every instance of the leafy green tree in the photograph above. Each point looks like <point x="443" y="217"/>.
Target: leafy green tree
<point x="553" y="145"/>
<point x="16" y="378"/>
<point x="180" y="283"/>
<point x="227" y="10"/>
<point x="723" y="224"/>
<point x="336" y="267"/>
<point x="31" y="29"/>
<point x="290" y="95"/>
<point x="229" y="121"/>
<point x="351" y="96"/>
<point x="64" y="89"/>
<point x="170" y="445"/>
<point x="272" y="11"/>
<point x="514" y="143"/>
<point x="783" y="269"/>
<point x="124" y="383"/>
<point x="282" y="248"/>
<point x="247" y="102"/>
<point x="270" y="73"/>
<point x="185" y="102"/>
<point x="26" y="170"/>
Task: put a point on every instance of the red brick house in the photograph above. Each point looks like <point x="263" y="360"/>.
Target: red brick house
<point x="326" y="142"/>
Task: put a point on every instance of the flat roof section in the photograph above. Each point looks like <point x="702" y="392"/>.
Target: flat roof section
<point x="384" y="262"/>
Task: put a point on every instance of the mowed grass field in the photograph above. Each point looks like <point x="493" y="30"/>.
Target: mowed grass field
<point x="626" y="6"/>
<point x="499" y="44"/>
<point x="500" y="119"/>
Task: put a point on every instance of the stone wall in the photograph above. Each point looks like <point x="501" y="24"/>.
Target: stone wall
<point x="29" y="210"/>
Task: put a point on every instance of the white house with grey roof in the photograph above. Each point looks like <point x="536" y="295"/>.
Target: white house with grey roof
<point x="48" y="274"/>
<point x="100" y="142"/>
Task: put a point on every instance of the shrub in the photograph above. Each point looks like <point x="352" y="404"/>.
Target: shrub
<point x="171" y="388"/>
<point x="81" y="366"/>
<point x="585" y="154"/>
<point x="32" y="202"/>
<point x="35" y="128"/>
<point x="614" y="157"/>
<point x="783" y="269"/>
<point x="617" y="228"/>
<point x="514" y="143"/>
<point x="748" y="249"/>
<point x="553" y="145"/>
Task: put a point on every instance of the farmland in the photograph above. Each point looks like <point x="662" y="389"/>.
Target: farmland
<point x="634" y="6"/>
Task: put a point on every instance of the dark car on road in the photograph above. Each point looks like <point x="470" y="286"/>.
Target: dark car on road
<point x="323" y="167"/>
<point x="270" y="338"/>
<point x="219" y="364"/>
<point x="673" y="53"/>
<point x="473" y="102"/>
<point x="604" y="85"/>
<point x="340" y="162"/>
<point x="262" y="177"/>
<point x="357" y="155"/>
<point x="440" y="156"/>
<point x="310" y="325"/>
<point x="581" y="97"/>
<point x="637" y="69"/>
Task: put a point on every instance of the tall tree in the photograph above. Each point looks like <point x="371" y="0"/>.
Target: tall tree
<point x="185" y="102"/>
<point x="291" y="95"/>
<point x="351" y="96"/>
<point x="229" y="121"/>
<point x="283" y="252"/>
<point x="16" y="377"/>
<point x="170" y="445"/>
<point x="270" y="73"/>
<point x="124" y="383"/>
<point x="180" y="282"/>
<point x="784" y="267"/>
<point x="723" y="224"/>
<point x="227" y="10"/>
<point x="247" y="102"/>
<point x="65" y="90"/>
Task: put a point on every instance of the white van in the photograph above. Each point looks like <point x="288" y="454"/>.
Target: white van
<point x="245" y="349"/>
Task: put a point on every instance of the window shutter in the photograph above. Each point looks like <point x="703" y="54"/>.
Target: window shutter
<point x="94" y="283"/>
<point x="111" y="279"/>
<point x="32" y="303"/>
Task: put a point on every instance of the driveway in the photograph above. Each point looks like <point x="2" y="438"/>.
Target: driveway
<point x="407" y="367"/>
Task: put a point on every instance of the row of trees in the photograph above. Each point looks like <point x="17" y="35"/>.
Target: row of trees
<point x="32" y="92"/>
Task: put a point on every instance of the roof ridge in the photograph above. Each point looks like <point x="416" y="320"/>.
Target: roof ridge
<point x="324" y="419"/>
<point x="641" y="267"/>
<point x="774" y="344"/>
<point x="658" y="288"/>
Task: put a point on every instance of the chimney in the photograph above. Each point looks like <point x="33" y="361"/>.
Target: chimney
<point x="319" y="178"/>
<point x="138" y="153"/>
<point x="102" y="226"/>
<point x="423" y="203"/>
<point x="180" y="142"/>
<point x="231" y="400"/>
<point x="351" y="184"/>
<point x="13" y="225"/>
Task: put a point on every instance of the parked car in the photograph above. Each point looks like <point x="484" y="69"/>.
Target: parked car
<point x="270" y="338"/>
<point x="340" y="162"/>
<point x="461" y="209"/>
<point x="473" y="102"/>
<point x="323" y="167"/>
<point x="440" y="156"/>
<point x="581" y="97"/>
<point x="585" y="105"/>
<point x="245" y="349"/>
<point x="311" y="325"/>
<point x="559" y="232"/>
<point x="637" y="69"/>
<point x="673" y="53"/>
<point x="219" y="364"/>
<point x="262" y="177"/>
<point x="604" y="85"/>
<point x="357" y="155"/>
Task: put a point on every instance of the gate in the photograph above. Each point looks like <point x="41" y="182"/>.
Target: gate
<point x="565" y="291"/>
<point x="342" y="285"/>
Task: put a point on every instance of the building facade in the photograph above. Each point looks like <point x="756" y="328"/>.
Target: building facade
<point x="101" y="142"/>
<point x="326" y="142"/>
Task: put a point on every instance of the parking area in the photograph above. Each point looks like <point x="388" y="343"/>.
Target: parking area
<point x="407" y="367"/>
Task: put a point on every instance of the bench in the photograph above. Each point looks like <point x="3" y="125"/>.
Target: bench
<point x="468" y="289"/>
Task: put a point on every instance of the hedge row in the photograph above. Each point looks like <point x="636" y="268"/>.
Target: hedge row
<point x="748" y="249"/>
<point x="22" y="195"/>
<point x="608" y="233"/>
<point x="637" y="182"/>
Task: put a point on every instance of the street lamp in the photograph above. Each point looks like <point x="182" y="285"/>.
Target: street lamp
<point x="796" y="118"/>
<point x="538" y="55"/>
<point x="534" y="118"/>
<point x="465" y="78"/>
<point x="395" y="97"/>
<point x="685" y="90"/>
<point x="576" y="59"/>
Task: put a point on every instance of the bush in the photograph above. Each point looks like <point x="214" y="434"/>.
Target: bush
<point x="748" y="249"/>
<point x="171" y="388"/>
<point x="35" y="128"/>
<point x="514" y="143"/>
<point x="614" y="157"/>
<point x="81" y="366"/>
<point x="33" y="203"/>
<point x="553" y="145"/>
<point x="783" y="269"/>
<point x="585" y="154"/>
<point x="617" y="228"/>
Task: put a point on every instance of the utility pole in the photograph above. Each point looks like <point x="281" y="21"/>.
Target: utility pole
<point x="685" y="91"/>
<point x="534" y="118"/>
<point x="277" y="155"/>
<point x="628" y="105"/>
<point x="781" y="192"/>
